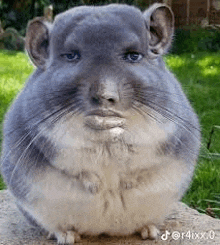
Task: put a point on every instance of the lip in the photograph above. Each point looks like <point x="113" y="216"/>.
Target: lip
<point x="104" y="119"/>
<point x="104" y="113"/>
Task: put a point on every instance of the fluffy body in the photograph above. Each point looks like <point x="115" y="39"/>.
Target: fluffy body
<point x="69" y="173"/>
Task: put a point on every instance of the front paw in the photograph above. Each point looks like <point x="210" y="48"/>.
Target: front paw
<point x="150" y="232"/>
<point x="91" y="182"/>
<point x="69" y="237"/>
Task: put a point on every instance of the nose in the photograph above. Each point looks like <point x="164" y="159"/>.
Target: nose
<point x="105" y="93"/>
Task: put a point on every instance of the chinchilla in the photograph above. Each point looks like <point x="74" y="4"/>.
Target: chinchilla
<point x="102" y="138"/>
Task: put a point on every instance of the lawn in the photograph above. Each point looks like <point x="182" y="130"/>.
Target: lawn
<point x="14" y="70"/>
<point x="199" y="75"/>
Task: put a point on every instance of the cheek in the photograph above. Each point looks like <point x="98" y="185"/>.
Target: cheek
<point x="143" y="130"/>
<point x="67" y="132"/>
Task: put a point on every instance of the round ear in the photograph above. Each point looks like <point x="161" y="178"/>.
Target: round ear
<point x="37" y="41"/>
<point x="160" y="25"/>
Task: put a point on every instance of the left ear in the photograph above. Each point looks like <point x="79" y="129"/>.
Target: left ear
<point x="37" y="41"/>
<point x="160" y="26"/>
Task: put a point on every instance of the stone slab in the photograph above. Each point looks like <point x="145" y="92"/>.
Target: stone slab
<point x="191" y="226"/>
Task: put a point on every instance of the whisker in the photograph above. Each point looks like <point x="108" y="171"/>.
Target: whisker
<point x="46" y="118"/>
<point x="170" y="113"/>
<point x="72" y="109"/>
<point x="143" y="113"/>
<point x="22" y="157"/>
<point x="166" y="113"/>
<point x="151" y="94"/>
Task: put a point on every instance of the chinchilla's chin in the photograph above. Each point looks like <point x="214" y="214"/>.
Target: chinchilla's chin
<point x="77" y="132"/>
<point x="112" y="135"/>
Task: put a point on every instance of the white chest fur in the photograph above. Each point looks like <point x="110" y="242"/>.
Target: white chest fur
<point x="136" y="184"/>
<point x="83" y="149"/>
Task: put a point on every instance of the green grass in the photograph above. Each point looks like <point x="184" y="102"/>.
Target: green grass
<point x="14" y="70"/>
<point x="199" y="75"/>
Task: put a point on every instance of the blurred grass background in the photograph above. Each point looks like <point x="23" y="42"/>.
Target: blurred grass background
<point x="199" y="74"/>
<point x="195" y="60"/>
<point x="14" y="70"/>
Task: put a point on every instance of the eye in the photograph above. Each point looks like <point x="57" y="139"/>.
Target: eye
<point x="133" y="57"/>
<point x="72" y="56"/>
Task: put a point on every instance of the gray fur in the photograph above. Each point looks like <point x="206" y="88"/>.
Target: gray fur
<point x="157" y="131"/>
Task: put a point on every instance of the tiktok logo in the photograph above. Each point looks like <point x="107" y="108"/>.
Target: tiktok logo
<point x="164" y="237"/>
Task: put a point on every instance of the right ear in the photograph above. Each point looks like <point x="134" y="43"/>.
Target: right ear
<point x="37" y="41"/>
<point x="160" y="24"/>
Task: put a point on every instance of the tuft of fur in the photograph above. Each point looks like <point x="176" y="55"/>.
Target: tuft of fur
<point x="102" y="138"/>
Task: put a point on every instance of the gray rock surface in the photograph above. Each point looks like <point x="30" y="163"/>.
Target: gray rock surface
<point x="193" y="228"/>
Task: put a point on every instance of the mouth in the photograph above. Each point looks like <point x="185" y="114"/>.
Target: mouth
<point x="104" y="119"/>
